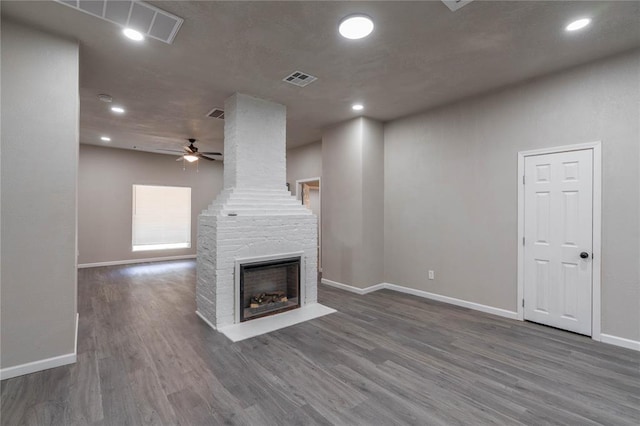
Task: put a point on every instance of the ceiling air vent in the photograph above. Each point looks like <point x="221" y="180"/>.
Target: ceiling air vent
<point x="456" y="4"/>
<point x="300" y="78"/>
<point x="216" y="113"/>
<point x="141" y="16"/>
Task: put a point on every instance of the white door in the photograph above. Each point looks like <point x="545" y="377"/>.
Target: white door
<point x="558" y="232"/>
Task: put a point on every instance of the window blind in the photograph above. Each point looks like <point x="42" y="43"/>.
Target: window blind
<point x="161" y="217"/>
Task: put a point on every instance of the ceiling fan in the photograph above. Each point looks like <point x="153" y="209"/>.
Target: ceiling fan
<point x="190" y="153"/>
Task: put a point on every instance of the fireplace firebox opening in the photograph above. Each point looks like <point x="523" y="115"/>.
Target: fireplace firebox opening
<point x="269" y="287"/>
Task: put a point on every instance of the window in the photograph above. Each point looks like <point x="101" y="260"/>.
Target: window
<point x="161" y="217"/>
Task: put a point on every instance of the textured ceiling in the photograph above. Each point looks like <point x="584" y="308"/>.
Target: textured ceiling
<point x="420" y="55"/>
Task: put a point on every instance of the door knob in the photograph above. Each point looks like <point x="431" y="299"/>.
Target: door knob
<point x="584" y="255"/>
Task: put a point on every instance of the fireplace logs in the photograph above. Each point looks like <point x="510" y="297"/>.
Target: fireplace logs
<point x="266" y="299"/>
<point x="269" y="287"/>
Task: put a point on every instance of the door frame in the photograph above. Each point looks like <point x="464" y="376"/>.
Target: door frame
<point x="596" y="147"/>
<point x="299" y="183"/>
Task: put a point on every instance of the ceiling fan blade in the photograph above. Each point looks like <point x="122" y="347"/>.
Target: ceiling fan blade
<point x="186" y="148"/>
<point x="180" y="158"/>
<point x="211" y="153"/>
<point x="207" y="158"/>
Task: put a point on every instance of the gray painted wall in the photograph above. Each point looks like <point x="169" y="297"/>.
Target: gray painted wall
<point x="39" y="173"/>
<point x="106" y="177"/>
<point x="451" y="186"/>
<point x="342" y="202"/>
<point x="372" y="266"/>
<point x="352" y="203"/>
<point x="304" y="162"/>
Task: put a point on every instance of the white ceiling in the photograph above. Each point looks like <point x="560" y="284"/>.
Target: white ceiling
<point x="420" y="55"/>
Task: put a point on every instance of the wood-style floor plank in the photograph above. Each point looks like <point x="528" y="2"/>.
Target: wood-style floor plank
<point x="145" y="358"/>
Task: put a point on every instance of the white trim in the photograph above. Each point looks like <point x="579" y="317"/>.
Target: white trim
<point x="596" y="303"/>
<point x="299" y="197"/>
<point x="206" y="320"/>
<point x="299" y="181"/>
<point x="75" y="344"/>
<point x="597" y="227"/>
<point x="520" y="257"/>
<point x="453" y="301"/>
<point x="35" y="366"/>
<point x="352" y="289"/>
<point x="130" y="261"/>
<point x="43" y="364"/>
<point x="620" y="341"/>
<point x="154" y="247"/>
<point x="424" y="294"/>
<point x="562" y="148"/>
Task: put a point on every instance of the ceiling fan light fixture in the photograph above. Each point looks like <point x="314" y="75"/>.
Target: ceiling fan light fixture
<point x="190" y="158"/>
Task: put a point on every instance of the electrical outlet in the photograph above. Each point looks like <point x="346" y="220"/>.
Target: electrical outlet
<point x="432" y="275"/>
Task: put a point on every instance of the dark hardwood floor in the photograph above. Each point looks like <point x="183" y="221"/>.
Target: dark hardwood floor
<point x="383" y="359"/>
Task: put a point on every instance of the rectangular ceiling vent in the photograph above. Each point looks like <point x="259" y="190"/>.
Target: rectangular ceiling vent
<point x="216" y="113"/>
<point x="141" y="16"/>
<point x="456" y="4"/>
<point x="300" y="78"/>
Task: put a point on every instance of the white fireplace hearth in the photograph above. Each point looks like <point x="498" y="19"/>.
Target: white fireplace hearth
<point x="255" y="218"/>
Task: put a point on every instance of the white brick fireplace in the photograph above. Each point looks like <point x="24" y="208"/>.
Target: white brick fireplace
<point x="253" y="218"/>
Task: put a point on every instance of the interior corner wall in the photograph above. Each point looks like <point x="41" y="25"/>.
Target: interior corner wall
<point x="40" y="110"/>
<point x="372" y="268"/>
<point x="352" y="208"/>
<point x="451" y="186"/>
<point x="106" y="179"/>
<point x="304" y="162"/>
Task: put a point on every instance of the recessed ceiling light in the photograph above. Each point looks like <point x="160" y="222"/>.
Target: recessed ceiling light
<point x="105" y="98"/>
<point x="354" y="27"/>
<point x="117" y="109"/>
<point x="105" y="138"/>
<point x="357" y="107"/>
<point x="579" y="24"/>
<point x="133" y="34"/>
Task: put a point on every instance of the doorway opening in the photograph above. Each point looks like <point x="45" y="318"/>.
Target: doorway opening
<point x="308" y="191"/>
<point x="559" y="227"/>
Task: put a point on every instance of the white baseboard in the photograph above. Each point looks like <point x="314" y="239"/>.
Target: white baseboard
<point x="131" y="261"/>
<point x="35" y="366"/>
<point x="206" y="320"/>
<point x="453" y="301"/>
<point x="43" y="364"/>
<point x="352" y="289"/>
<point x="420" y="293"/>
<point x="604" y="338"/>
<point x="620" y="341"/>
